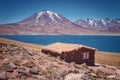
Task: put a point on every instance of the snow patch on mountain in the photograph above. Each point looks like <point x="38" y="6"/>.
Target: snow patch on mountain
<point x="37" y="18"/>
<point x="106" y="24"/>
<point x="58" y="16"/>
<point x="50" y="14"/>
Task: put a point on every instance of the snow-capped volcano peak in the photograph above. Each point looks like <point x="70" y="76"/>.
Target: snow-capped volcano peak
<point x="49" y="14"/>
<point x="44" y="12"/>
<point x="46" y="18"/>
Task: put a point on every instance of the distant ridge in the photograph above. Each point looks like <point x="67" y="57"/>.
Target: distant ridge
<point x="50" y="23"/>
<point x="104" y="25"/>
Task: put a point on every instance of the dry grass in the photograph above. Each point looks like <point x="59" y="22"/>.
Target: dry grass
<point x="107" y="58"/>
<point x="22" y="44"/>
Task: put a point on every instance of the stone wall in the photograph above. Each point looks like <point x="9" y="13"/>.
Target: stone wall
<point x="75" y="55"/>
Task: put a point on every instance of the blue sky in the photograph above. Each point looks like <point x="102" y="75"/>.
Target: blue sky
<point x="16" y="10"/>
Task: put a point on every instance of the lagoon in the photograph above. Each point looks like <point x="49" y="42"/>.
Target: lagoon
<point x="101" y="43"/>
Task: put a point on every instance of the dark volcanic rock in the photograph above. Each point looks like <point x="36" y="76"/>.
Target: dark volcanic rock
<point x="13" y="65"/>
<point x="33" y="71"/>
<point x="9" y="67"/>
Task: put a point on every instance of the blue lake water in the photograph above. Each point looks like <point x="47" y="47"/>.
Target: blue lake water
<point x="102" y="43"/>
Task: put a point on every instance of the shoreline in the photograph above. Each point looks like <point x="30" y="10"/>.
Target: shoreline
<point x="9" y="40"/>
<point x="63" y="34"/>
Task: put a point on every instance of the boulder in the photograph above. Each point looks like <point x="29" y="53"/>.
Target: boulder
<point x="33" y="71"/>
<point x="74" y="76"/>
<point x="101" y="74"/>
<point x="13" y="65"/>
<point x="9" y="67"/>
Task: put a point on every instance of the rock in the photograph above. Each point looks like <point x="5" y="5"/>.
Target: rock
<point x="33" y="71"/>
<point x="73" y="71"/>
<point x="109" y="67"/>
<point x="73" y="76"/>
<point x="61" y="74"/>
<point x="13" y="65"/>
<point x="101" y="74"/>
<point x="6" y="60"/>
<point x="9" y="67"/>
<point x="14" y="48"/>
<point x="30" y="52"/>
<point x="118" y="77"/>
<point x="72" y="63"/>
<point x="93" y="75"/>
<point x="84" y="71"/>
<point x="111" y="77"/>
<point x="51" y="66"/>
<point x="23" y="72"/>
<point x="3" y="76"/>
<point x="118" y="67"/>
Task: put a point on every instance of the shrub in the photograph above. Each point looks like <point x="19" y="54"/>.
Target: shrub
<point x="84" y="65"/>
<point x="17" y="62"/>
<point x="58" y="58"/>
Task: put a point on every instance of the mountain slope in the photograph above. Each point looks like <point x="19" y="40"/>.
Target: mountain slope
<point x="105" y="25"/>
<point x="44" y="22"/>
<point x="50" y="23"/>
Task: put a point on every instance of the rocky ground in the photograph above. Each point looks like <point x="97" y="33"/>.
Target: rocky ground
<point x="19" y="63"/>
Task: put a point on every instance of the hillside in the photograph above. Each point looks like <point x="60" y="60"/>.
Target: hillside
<point x="18" y="61"/>
<point x="22" y="44"/>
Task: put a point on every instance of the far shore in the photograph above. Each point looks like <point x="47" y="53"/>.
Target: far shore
<point x="68" y="34"/>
